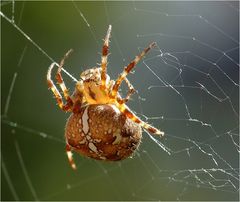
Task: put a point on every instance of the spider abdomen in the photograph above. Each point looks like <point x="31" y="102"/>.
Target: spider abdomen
<point x="102" y="132"/>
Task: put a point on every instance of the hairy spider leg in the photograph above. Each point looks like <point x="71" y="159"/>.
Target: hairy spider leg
<point x="60" y="79"/>
<point x="64" y="107"/>
<point x="70" y="157"/>
<point x="78" y="97"/>
<point x="105" y="50"/>
<point x="131" y="91"/>
<point x="128" y="68"/>
<point x="125" y="110"/>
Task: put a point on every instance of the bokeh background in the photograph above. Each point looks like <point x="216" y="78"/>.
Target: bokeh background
<point x="192" y="36"/>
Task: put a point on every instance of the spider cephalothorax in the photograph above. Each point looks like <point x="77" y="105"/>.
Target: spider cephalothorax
<point x="91" y="87"/>
<point x="101" y="125"/>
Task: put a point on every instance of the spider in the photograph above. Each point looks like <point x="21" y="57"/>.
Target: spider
<point x="101" y="126"/>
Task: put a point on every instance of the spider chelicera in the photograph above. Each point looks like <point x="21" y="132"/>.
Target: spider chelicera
<point x="101" y="125"/>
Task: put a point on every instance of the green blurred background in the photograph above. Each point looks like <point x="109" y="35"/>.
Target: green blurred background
<point x="34" y="163"/>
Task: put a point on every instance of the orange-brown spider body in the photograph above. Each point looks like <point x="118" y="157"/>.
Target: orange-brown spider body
<point x="102" y="132"/>
<point x="101" y="125"/>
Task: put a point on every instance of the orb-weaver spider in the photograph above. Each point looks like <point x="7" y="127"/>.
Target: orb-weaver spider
<point x="101" y="125"/>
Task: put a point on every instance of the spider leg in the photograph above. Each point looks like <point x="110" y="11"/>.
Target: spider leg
<point x="128" y="68"/>
<point x="64" y="107"/>
<point x="125" y="110"/>
<point x="105" y="49"/>
<point x="78" y="97"/>
<point x="70" y="158"/>
<point x="60" y="79"/>
<point x="130" y="92"/>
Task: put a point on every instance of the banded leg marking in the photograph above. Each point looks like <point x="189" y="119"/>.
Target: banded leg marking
<point x="124" y="109"/>
<point x="128" y="68"/>
<point x="131" y="91"/>
<point x="60" y="79"/>
<point x="64" y="107"/>
<point x="105" y="50"/>
<point x="70" y="158"/>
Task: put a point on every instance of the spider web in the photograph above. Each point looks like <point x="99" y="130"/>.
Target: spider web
<point x="188" y="87"/>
